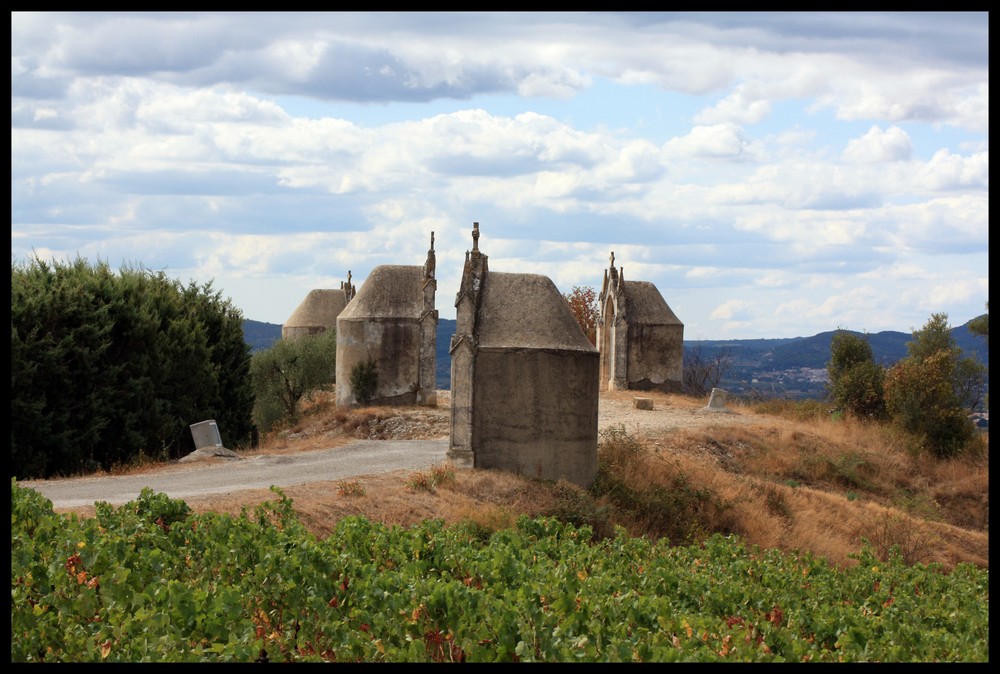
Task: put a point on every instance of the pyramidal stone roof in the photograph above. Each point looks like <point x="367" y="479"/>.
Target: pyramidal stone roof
<point x="389" y="291"/>
<point x="527" y="311"/>
<point x="320" y="307"/>
<point x="646" y="305"/>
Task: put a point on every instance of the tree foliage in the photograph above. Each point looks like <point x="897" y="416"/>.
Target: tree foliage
<point x="921" y="399"/>
<point x="857" y="382"/>
<point x="933" y="337"/>
<point x="966" y="375"/>
<point x="107" y="367"/>
<point x="931" y="392"/>
<point x="981" y="325"/>
<point x="288" y="372"/>
<point x="583" y="303"/>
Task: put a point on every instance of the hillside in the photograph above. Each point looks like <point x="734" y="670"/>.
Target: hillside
<point x="260" y="335"/>
<point x="779" y="480"/>
<point x="792" y="367"/>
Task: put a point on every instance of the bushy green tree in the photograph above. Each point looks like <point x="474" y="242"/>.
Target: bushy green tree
<point x="288" y="372"/>
<point x="857" y="382"/>
<point x="931" y="392"/>
<point x="966" y="375"/>
<point x="107" y="367"/>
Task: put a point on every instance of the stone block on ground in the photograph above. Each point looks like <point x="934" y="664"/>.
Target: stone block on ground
<point x="717" y="401"/>
<point x="643" y="403"/>
<point x="206" y="434"/>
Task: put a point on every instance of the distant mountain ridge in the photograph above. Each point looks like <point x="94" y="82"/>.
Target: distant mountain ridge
<point x="791" y="363"/>
<point x="260" y="335"/>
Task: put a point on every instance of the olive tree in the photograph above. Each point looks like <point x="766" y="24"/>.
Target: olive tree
<point x="287" y="373"/>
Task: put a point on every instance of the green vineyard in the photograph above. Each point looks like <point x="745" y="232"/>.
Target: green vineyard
<point x="150" y="581"/>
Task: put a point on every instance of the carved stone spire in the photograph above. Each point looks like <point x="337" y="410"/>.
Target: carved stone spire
<point x="463" y="351"/>
<point x="431" y="264"/>
<point x="348" y="288"/>
<point x="473" y="277"/>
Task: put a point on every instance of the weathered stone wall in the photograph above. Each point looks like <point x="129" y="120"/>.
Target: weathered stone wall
<point x="392" y="320"/>
<point x="460" y="440"/>
<point x="614" y="345"/>
<point x="656" y="357"/>
<point x="536" y="413"/>
<point x="292" y="333"/>
<point x="394" y="344"/>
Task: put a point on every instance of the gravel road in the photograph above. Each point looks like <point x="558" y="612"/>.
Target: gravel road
<point x="186" y="480"/>
<point x="201" y="478"/>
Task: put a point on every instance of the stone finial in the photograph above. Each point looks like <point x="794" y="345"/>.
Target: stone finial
<point x="475" y="237"/>
<point x="612" y="259"/>
<point x="348" y="287"/>
<point x="431" y="263"/>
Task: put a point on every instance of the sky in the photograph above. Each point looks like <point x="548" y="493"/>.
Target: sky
<point x="774" y="175"/>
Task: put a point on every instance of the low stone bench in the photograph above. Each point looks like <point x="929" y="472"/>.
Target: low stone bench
<point x="642" y="403"/>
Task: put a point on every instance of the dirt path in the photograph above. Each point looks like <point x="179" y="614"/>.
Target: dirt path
<point x="193" y="480"/>
<point x="217" y="476"/>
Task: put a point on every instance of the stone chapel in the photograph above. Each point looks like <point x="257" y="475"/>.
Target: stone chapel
<point x="318" y="311"/>
<point x="392" y="320"/>
<point x="524" y="377"/>
<point x="640" y="338"/>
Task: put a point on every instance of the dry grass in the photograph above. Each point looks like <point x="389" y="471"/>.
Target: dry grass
<point x="826" y="485"/>
<point x="788" y="478"/>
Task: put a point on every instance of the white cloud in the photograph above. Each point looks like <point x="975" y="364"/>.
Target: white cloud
<point x="731" y="309"/>
<point x="877" y="145"/>
<point x="946" y="171"/>
<point x="746" y="105"/>
<point x="710" y="151"/>
<point x="718" y="141"/>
